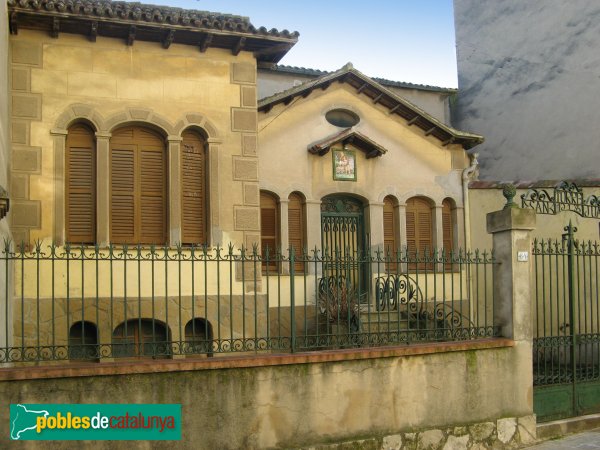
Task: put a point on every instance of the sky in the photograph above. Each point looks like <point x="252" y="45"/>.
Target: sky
<point x="401" y="40"/>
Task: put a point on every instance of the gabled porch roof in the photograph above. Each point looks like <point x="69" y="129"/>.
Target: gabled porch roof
<point x="347" y="136"/>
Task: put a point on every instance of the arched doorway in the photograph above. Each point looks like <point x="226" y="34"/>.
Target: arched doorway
<point x="344" y="243"/>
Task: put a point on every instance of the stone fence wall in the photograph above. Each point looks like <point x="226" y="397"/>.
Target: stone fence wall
<point x="450" y="395"/>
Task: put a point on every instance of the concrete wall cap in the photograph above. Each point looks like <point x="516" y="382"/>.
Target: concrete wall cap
<point x="511" y="219"/>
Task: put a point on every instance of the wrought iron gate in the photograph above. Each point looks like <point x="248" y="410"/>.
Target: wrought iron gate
<point x="343" y="242"/>
<point x="566" y="343"/>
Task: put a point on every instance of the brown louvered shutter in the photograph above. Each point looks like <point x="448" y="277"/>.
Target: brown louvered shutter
<point x="193" y="189"/>
<point x="447" y="228"/>
<point x="138" y="187"/>
<point x="419" y="231"/>
<point x="268" y="229"/>
<point x="122" y="211"/>
<point x="152" y="224"/>
<point x="389" y="233"/>
<point x="80" y="185"/>
<point x="296" y="228"/>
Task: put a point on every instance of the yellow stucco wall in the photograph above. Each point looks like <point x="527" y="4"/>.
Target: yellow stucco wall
<point x="414" y="163"/>
<point x="116" y="83"/>
<point x="483" y="201"/>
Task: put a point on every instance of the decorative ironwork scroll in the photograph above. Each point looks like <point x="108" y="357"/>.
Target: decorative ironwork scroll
<point x="335" y="204"/>
<point x="564" y="197"/>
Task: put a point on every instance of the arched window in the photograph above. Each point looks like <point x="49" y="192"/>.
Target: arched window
<point x="419" y="229"/>
<point x="390" y="232"/>
<point x="138" y="180"/>
<point x="199" y="336"/>
<point x="83" y="341"/>
<point x="297" y="227"/>
<point x="80" y="185"/>
<point x="269" y="229"/>
<point x="193" y="189"/>
<point x="141" y="337"/>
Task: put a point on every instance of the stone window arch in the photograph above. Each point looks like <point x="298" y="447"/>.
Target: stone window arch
<point x="199" y="336"/>
<point x="83" y="341"/>
<point x="141" y="337"/>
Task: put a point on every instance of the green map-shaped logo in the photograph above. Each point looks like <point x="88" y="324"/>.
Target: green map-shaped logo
<point x="23" y="419"/>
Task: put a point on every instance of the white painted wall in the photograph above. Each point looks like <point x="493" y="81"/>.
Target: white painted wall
<point x="529" y="81"/>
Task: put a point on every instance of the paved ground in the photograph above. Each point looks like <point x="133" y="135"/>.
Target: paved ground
<point x="588" y="440"/>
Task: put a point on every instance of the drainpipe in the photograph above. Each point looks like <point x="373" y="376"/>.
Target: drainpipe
<point x="468" y="174"/>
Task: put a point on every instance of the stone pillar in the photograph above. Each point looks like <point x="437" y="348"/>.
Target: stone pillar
<point x="511" y="230"/>
<point x="438" y="229"/>
<point x="403" y="242"/>
<point x="214" y="223"/>
<point x="103" y="188"/>
<point x="375" y="214"/>
<point x="313" y="230"/>
<point x="438" y="233"/>
<point x="174" y="189"/>
<point x="512" y="275"/>
<point x="60" y="138"/>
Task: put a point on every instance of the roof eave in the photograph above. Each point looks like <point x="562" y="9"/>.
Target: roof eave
<point x="348" y="136"/>
<point x="154" y="24"/>
<point x="378" y="94"/>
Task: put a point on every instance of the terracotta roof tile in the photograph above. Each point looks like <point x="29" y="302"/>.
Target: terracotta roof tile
<point x="118" y="19"/>
<point x="385" y="82"/>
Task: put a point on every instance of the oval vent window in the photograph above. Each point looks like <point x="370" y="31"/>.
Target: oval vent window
<point x="342" y="118"/>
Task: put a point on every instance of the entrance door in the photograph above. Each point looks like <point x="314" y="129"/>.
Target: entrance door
<point x="343" y="242"/>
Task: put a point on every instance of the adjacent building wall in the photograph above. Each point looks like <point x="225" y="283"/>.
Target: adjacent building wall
<point x="484" y="197"/>
<point x="528" y="82"/>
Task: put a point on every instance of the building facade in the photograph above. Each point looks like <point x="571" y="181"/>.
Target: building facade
<point x="137" y="135"/>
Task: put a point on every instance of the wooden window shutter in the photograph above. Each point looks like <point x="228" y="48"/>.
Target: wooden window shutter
<point x="152" y="210"/>
<point x="138" y="187"/>
<point x="80" y="185"/>
<point x="390" y="244"/>
<point x="296" y="227"/>
<point x="419" y="232"/>
<point x="122" y="211"/>
<point x="447" y="227"/>
<point x="193" y="189"/>
<point x="269" y="225"/>
<point x="447" y="231"/>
